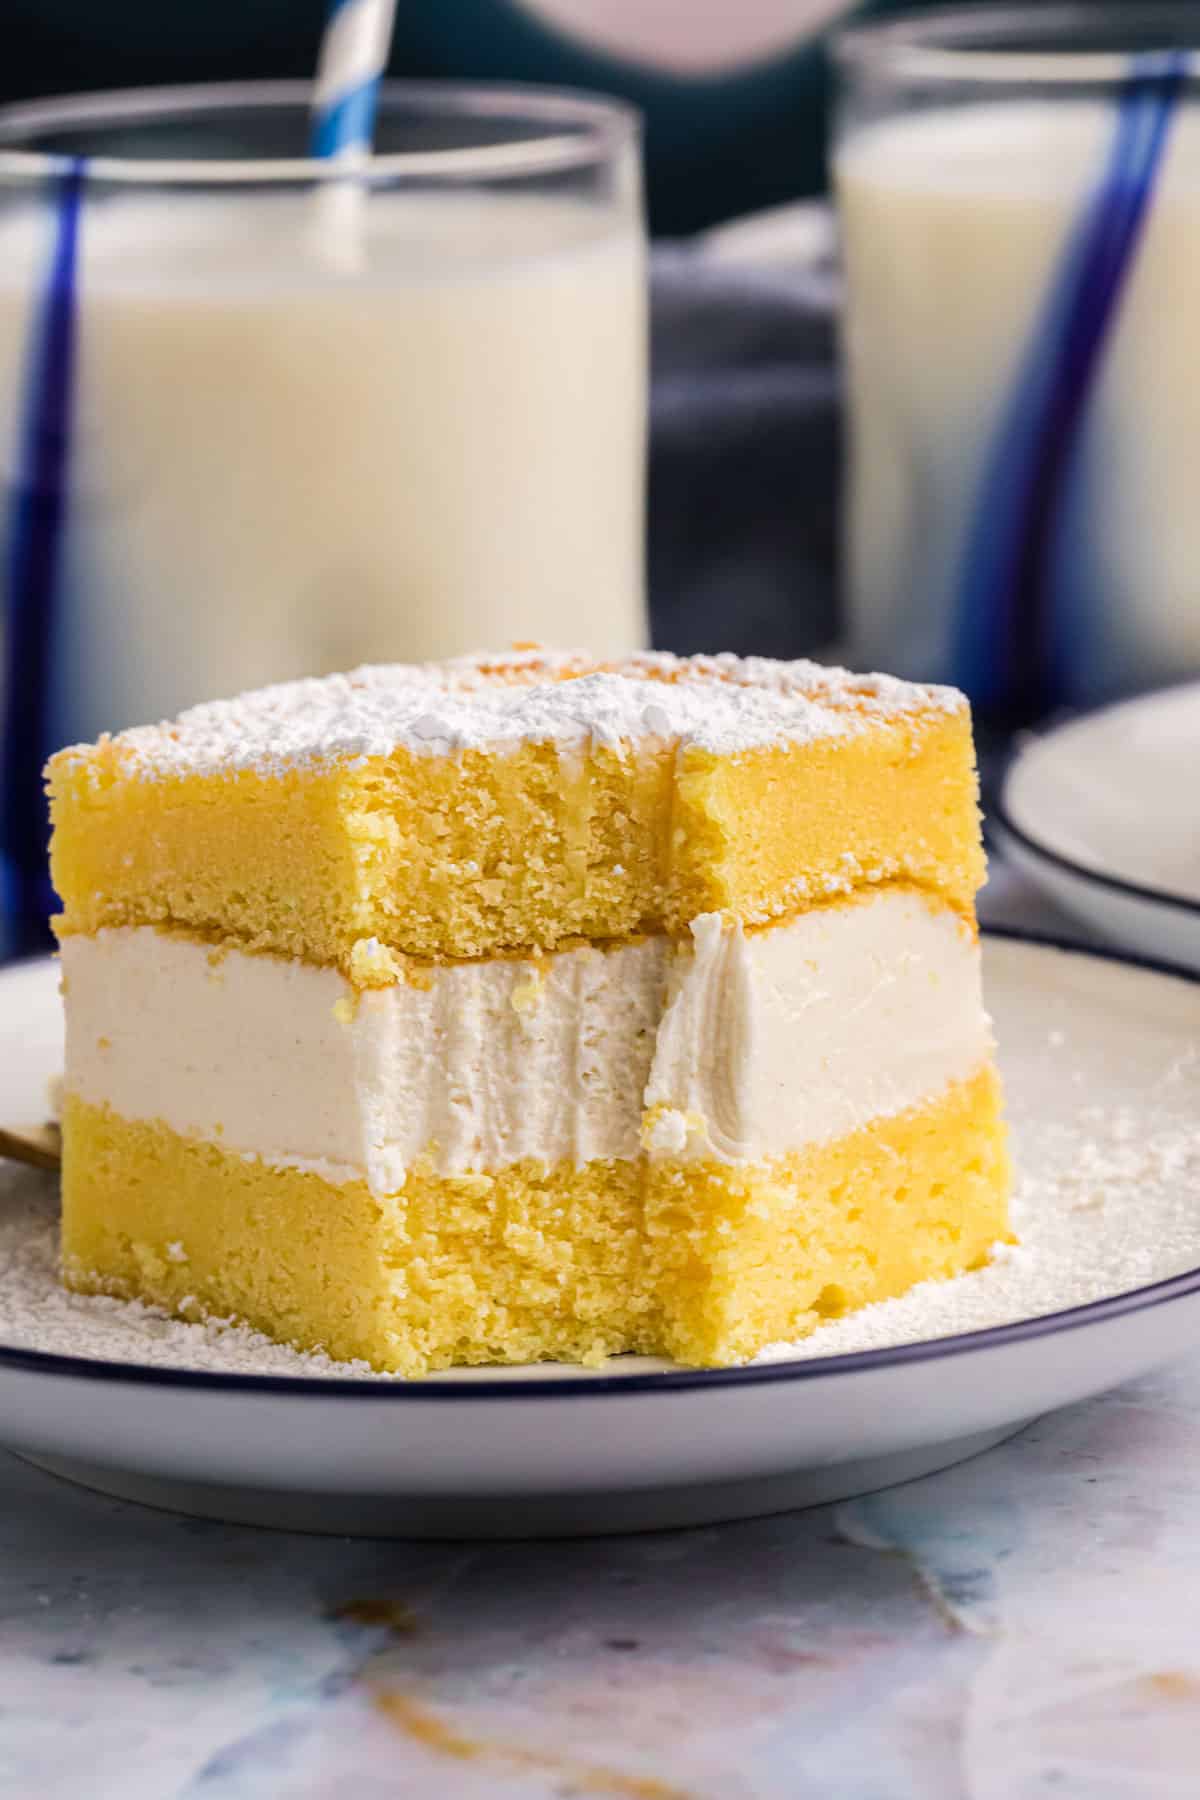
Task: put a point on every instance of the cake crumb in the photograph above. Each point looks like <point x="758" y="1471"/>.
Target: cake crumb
<point x="527" y="995"/>
<point x="374" y="965"/>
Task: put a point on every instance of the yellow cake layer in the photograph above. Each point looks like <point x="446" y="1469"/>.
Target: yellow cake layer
<point x="705" y="1263"/>
<point x="476" y="853"/>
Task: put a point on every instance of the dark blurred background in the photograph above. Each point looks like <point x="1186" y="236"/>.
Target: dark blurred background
<point x="732" y="90"/>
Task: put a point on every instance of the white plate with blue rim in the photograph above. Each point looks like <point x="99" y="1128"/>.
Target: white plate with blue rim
<point x="1103" y="813"/>
<point x="1101" y="1058"/>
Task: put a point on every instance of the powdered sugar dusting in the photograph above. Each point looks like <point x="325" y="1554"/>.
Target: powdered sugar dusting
<point x="725" y="704"/>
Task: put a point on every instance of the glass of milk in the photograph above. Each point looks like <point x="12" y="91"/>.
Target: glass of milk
<point x="1019" y="193"/>
<point x="258" y="421"/>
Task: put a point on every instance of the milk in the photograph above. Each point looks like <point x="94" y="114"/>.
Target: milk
<point x="277" y="469"/>
<point x="955" y="222"/>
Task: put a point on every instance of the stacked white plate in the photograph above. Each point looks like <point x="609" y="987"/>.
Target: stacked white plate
<point x="1104" y="814"/>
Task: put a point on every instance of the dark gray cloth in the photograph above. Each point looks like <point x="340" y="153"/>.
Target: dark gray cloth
<point x="745" y="457"/>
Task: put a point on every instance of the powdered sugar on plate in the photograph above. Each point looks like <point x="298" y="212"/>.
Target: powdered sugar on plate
<point x="1106" y="1209"/>
<point x="37" y="1313"/>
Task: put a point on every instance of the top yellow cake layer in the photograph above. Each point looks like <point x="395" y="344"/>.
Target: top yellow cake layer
<point x="484" y="805"/>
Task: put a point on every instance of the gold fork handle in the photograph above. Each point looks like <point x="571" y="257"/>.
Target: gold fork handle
<point x="39" y="1145"/>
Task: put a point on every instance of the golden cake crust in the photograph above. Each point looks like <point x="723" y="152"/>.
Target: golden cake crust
<point x="493" y="805"/>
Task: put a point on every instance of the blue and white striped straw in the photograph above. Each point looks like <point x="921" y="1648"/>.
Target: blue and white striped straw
<point x="354" y="52"/>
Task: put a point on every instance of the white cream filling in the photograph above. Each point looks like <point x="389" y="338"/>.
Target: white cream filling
<point x="742" y="1045"/>
<point x="801" y="1032"/>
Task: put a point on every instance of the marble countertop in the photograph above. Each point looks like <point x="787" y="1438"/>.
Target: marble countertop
<point x="1021" y="1626"/>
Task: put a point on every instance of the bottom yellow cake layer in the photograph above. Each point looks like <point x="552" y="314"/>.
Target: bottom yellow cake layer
<point x="705" y="1263"/>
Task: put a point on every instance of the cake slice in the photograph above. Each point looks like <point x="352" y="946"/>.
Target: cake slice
<point x="528" y="1007"/>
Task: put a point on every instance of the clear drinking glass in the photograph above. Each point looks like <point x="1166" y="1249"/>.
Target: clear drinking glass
<point x="259" y="421"/>
<point x="1019" y="192"/>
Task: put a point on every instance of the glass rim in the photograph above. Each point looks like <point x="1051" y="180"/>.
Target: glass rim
<point x="581" y="128"/>
<point x="966" y="43"/>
